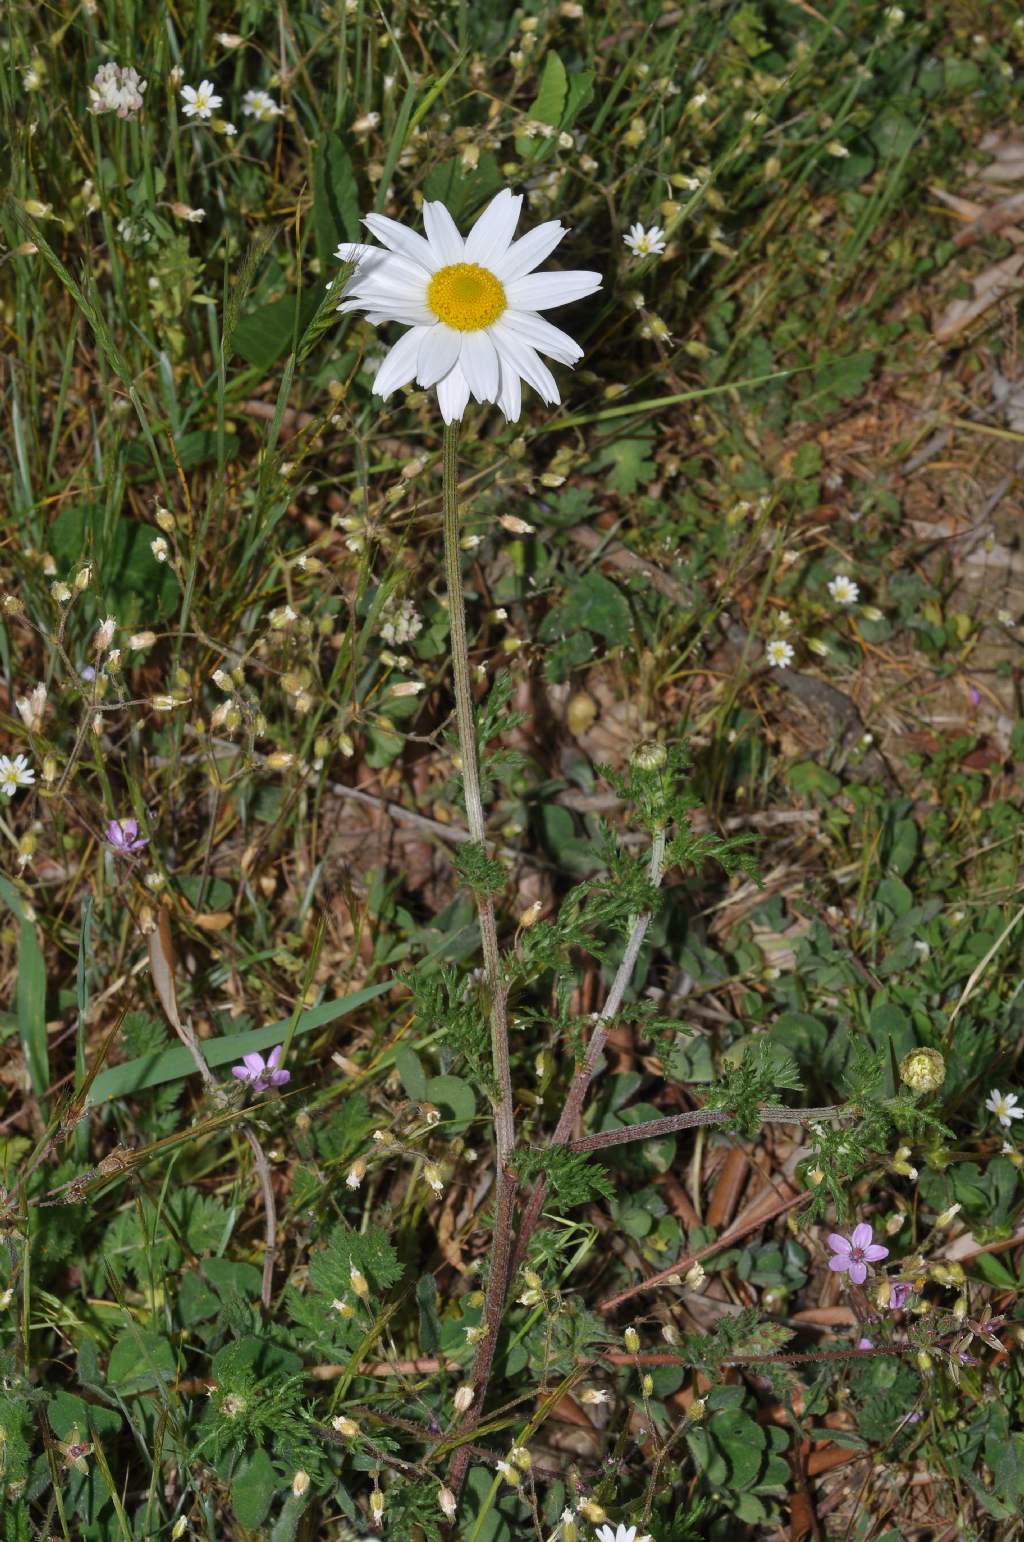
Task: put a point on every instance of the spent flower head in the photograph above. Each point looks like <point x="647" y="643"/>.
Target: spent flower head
<point x="471" y="304"/>
<point x="117" y="89"/>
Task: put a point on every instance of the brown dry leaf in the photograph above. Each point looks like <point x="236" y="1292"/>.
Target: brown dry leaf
<point x="989" y="287"/>
<point x="161" y="965"/>
<point x="214" y="920"/>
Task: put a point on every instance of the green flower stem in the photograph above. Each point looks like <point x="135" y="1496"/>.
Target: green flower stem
<point x="504" y="1122"/>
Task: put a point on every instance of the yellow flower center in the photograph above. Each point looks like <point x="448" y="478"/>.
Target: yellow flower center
<point x="466" y="296"/>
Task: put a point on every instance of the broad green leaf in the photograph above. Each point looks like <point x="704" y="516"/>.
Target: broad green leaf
<point x="807" y="779"/>
<point x="337" y="206"/>
<point x="410" y="1069"/>
<point x="547" y="106"/>
<point x="263" y="335"/>
<point x="455" y="1098"/>
<point x="462" y="191"/>
<point x="252" y="1489"/>
<point x="593" y="603"/>
<point x="139" y="1361"/>
<point x="171" y="1064"/>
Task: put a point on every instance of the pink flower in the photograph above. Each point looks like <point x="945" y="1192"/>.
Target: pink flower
<point x="853" y="1255"/>
<point x="123" y="835"/>
<point x="260" y="1073"/>
<point x="899" y="1290"/>
<point x="865" y="1344"/>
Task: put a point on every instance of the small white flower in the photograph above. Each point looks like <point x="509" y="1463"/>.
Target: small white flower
<point x="200" y="100"/>
<point x="645" y="243"/>
<point x="116" y="90"/>
<point x="1003" y="1105"/>
<point x="227" y="129"/>
<point x="401" y="622"/>
<point x="14" y="774"/>
<point x="843" y="589"/>
<point x="620" y="1534"/>
<point x="779" y="653"/>
<point x="261" y="106"/>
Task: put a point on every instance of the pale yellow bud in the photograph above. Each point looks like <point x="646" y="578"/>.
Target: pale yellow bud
<point x="631" y="1339"/>
<point x="447" y="1502"/>
<point x="358" y="1283"/>
<point x="463" y="1397"/>
<point x="345" y="1426"/>
<point x="300" y="1483"/>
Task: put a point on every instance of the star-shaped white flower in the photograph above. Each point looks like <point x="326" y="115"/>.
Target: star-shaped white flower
<point x="620" y="1534"/>
<point x="645" y="243"/>
<point x="14" y="774"/>
<point x="200" y="100"/>
<point x="471" y="305"/>
<point x="843" y="589"/>
<point x="1004" y="1106"/>
<point x="779" y="653"/>
<point x="261" y="106"/>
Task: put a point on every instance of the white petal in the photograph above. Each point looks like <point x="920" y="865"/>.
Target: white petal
<point x="543" y="336"/>
<point x="511" y="399"/>
<point x="512" y="350"/>
<point x="378" y="310"/>
<point x="479" y="363"/>
<point x="539" y="291"/>
<point x="400" y="365"/>
<point x="453" y="394"/>
<point x="443" y="235"/>
<point x="353" y="251"/>
<point x="439" y="351"/>
<point x="489" y="239"/>
<point x="401" y="239"/>
<point x="525" y="254"/>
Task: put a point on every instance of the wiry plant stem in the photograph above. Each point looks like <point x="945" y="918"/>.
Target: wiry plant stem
<point x="504" y="1121"/>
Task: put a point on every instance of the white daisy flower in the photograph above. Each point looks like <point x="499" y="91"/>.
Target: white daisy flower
<point x="16" y="773"/>
<point x="261" y="106"/>
<point x="843" y="589"/>
<point x="645" y="243"/>
<point x="200" y="100"/>
<point x="779" y="653"/>
<point x="471" y="305"/>
<point x="620" y="1534"/>
<point x="1003" y="1105"/>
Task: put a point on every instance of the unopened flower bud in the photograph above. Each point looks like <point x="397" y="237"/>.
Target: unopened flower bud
<point x="142" y="640"/>
<point x="447" y="1502"/>
<point x="345" y="1426"/>
<point x="592" y="1511"/>
<point x="358" y="1282"/>
<point x="377" y="1506"/>
<point x="514" y="525"/>
<point x="463" y="1397"/>
<point x="356" y="1173"/>
<point x="300" y="1483"/>
<point x="947" y="1215"/>
<point x="165" y="519"/>
<point x="647" y="1383"/>
<point x="631" y="1339"/>
<point x="531" y="915"/>
<point x="649" y="756"/>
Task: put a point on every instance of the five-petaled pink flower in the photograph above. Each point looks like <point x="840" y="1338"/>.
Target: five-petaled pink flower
<point x="260" y="1073"/>
<point x="853" y="1254"/>
<point x="123" y="835"/>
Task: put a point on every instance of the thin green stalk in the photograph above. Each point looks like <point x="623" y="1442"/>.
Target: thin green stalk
<point x="504" y="1123"/>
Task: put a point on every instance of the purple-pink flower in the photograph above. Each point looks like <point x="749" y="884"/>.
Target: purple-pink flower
<point x="854" y="1253"/>
<point x="899" y="1290"/>
<point x="123" y="835"/>
<point x="260" y="1073"/>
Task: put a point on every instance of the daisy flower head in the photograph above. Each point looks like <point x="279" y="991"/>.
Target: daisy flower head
<point x="1002" y="1104"/>
<point x="123" y="835"/>
<point x="645" y="243"/>
<point x="779" y="653"/>
<point x="261" y="1074"/>
<point x="851" y="1255"/>
<point x="16" y="773"/>
<point x="620" y="1534"/>
<point x="261" y="106"/>
<point x="200" y="100"/>
<point x="843" y="589"/>
<point x="471" y="304"/>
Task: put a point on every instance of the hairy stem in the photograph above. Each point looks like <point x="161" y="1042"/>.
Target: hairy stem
<point x="654" y="1129"/>
<point x="504" y="1122"/>
<point x="581" y="1081"/>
